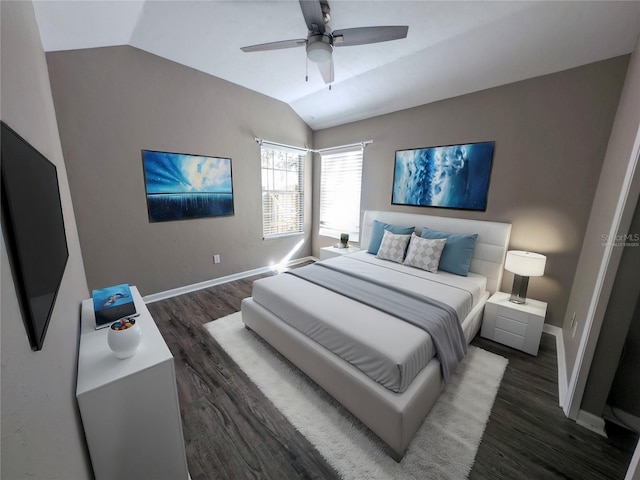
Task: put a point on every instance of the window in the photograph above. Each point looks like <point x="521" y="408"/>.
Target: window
<point x="282" y="192"/>
<point x="340" y="183"/>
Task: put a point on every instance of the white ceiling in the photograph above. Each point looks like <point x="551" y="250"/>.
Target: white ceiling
<point x="452" y="47"/>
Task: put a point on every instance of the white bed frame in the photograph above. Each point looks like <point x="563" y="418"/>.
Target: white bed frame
<point x="394" y="417"/>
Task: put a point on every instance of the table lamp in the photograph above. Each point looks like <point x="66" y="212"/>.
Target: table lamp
<point x="523" y="265"/>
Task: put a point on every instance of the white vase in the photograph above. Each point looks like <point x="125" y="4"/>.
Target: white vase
<point x="124" y="343"/>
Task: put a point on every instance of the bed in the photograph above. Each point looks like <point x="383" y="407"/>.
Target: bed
<point x="383" y="370"/>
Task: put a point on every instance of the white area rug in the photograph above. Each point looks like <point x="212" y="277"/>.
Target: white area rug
<point x="443" y="448"/>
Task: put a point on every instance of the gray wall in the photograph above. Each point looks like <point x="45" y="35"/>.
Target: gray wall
<point x="596" y="269"/>
<point x="625" y="391"/>
<point x="551" y="135"/>
<point x="42" y="435"/>
<point x="113" y="102"/>
<point x="621" y="320"/>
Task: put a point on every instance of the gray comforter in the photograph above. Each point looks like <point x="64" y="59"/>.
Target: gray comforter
<point x="436" y="318"/>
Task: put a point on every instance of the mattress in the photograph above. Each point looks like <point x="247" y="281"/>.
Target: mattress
<point x="385" y="348"/>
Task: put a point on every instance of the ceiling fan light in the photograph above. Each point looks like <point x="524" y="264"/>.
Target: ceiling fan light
<point x="319" y="51"/>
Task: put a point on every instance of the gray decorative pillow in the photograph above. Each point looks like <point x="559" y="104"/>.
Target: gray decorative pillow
<point x="393" y="246"/>
<point x="425" y="253"/>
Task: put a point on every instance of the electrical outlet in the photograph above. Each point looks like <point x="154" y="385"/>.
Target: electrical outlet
<point x="216" y="259"/>
<point x="573" y="319"/>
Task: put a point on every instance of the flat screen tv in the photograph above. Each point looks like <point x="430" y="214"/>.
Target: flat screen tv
<point x="34" y="232"/>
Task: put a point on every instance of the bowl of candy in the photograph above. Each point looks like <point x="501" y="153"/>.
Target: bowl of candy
<point x="124" y="337"/>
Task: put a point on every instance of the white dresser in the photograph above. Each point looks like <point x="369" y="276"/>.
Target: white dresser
<point x="517" y="326"/>
<point x="129" y="407"/>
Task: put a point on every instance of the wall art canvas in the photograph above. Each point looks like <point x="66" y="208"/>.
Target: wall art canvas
<point x="182" y="186"/>
<point x="452" y="176"/>
<point x="112" y="303"/>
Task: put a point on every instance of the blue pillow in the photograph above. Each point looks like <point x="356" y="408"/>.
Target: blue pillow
<point x="378" y="231"/>
<point x="457" y="253"/>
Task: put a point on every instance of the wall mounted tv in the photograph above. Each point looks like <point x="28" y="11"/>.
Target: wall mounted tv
<point x="33" y="228"/>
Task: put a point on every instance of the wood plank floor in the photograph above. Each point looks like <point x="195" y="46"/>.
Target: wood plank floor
<point x="233" y="432"/>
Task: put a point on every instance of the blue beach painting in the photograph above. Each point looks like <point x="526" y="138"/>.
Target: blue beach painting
<point x="452" y="176"/>
<point x="109" y="297"/>
<point x="182" y="186"/>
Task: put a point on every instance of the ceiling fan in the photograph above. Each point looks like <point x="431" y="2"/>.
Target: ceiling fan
<point x="321" y="40"/>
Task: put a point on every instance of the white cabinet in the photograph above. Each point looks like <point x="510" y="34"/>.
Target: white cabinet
<point x="330" y="252"/>
<point x="517" y="326"/>
<point x="129" y="407"/>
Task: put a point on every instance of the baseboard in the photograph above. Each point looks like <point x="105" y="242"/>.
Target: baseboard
<point x="155" y="297"/>
<point x="622" y="418"/>
<point x="562" y="366"/>
<point x="591" y="422"/>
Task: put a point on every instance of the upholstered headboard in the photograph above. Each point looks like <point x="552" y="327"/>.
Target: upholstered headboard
<point x="491" y="246"/>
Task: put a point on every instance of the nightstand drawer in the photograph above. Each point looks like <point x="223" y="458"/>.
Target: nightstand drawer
<point x="510" y="325"/>
<point x="514" y="324"/>
<point x="513" y="314"/>
<point x="509" y="339"/>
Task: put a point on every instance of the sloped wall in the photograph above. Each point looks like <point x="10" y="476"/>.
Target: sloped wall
<point x="551" y="135"/>
<point x="113" y="102"/>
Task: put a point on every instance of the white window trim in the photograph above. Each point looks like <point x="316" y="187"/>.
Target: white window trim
<point x="352" y="157"/>
<point x="300" y="190"/>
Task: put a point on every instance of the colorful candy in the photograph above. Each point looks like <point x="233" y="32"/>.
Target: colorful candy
<point x="123" y="324"/>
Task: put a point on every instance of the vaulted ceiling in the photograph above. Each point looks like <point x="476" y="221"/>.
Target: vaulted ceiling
<point x="452" y="48"/>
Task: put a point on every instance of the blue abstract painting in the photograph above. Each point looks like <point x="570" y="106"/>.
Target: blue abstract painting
<point x="181" y="186"/>
<point x="452" y="176"/>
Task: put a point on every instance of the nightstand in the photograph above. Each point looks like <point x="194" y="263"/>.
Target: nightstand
<point x="514" y="325"/>
<point x="330" y="252"/>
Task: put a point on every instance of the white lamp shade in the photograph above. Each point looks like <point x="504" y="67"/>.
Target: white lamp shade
<point x="319" y="52"/>
<point x="526" y="264"/>
<point x="319" y="48"/>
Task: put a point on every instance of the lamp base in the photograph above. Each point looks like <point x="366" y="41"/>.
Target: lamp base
<point x="519" y="290"/>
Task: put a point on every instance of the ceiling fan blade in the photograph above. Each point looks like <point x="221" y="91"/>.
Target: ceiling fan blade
<point x="313" y="16"/>
<point x="363" y="35"/>
<point x="326" y="70"/>
<point x="275" y="45"/>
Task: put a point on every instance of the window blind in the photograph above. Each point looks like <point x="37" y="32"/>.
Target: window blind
<point x="340" y="187"/>
<point x="282" y="191"/>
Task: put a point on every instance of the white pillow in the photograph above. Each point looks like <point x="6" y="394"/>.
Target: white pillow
<point x="425" y="253"/>
<point x="393" y="246"/>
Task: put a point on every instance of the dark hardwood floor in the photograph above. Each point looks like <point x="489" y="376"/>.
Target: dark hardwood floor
<point x="233" y="432"/>
<point x="528" y="436"/>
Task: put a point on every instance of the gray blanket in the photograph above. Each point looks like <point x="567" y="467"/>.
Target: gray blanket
<point x="436" y="318"/>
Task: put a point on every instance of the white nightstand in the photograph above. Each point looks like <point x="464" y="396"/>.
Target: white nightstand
<point x="329" y="252"/>
<point x="514" y="325"/>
